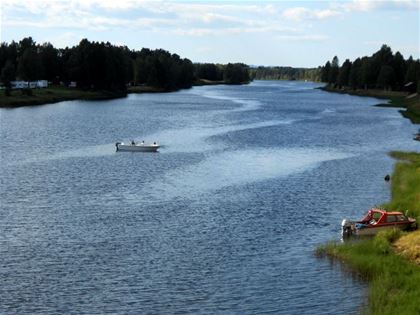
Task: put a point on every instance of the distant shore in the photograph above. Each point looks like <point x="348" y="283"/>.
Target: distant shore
<point x="55" y="94"/>
<point x="397" y="99"/>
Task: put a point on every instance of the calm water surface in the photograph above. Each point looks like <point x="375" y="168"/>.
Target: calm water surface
<point x="223" y="220"/>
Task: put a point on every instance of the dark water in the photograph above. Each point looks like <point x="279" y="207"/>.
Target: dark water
<point x="224" y="220"/>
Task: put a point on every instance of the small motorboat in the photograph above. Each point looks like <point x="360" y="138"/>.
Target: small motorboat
<point x="137" y="147"/>
<point x="377" y="220"/>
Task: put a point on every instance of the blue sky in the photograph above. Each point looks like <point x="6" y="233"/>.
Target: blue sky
<point x="288" y="33"/>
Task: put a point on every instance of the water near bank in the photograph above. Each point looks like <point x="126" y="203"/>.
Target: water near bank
<point x="223" y="220"/>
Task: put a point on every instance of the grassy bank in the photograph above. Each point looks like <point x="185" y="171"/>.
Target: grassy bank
<point x="390" y="261"/>
<point x="393" y="281"/>
<point x="200" y="82"/>
<point x="52" y="95"/>
<point x="405" y="188"/>
<point x="396" y="99"/>
<point x="56" y="94"/>
<point x="147" y="89"/>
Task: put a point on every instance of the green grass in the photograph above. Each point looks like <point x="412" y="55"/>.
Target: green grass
<point x="52" y="95"/>
<point x="394" y="281"/>
<point x="405" y="188"/>
<point x="409" y="246"/>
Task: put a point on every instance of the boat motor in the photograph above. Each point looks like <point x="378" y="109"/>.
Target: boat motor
<point x="347" y="228"/>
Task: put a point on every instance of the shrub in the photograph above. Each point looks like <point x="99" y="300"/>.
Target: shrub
<point x="27" y="92"/>
<point x="384" y="239"/>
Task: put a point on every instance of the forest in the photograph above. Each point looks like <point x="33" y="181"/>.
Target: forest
<point x="103" y="66"/>
<point x="286" y="73"/>
<point x="383" y="70"/>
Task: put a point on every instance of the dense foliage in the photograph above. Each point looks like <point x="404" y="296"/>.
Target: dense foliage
<point x="93" y="65"/>
<point x="102" y="66"/>
<point x="208" y="71"/>
<point x="286" y="73"/>
<point x="232" y="73"/>
<point x="382" y="70"/>
<point x="236" y="73"/>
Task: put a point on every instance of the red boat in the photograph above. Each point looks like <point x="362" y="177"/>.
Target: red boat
<point x="378" y="220"/>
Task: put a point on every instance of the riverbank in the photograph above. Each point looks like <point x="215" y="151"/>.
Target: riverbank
<point x="56" y="94"/>
<point x="411" y="103"/>
<point x="390" y="261"/>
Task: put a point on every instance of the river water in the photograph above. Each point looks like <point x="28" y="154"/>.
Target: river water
<point x="223" y="220"/>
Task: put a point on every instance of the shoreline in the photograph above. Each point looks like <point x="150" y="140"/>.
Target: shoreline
<point x="55" y="94"/>
<point x="396" y="99"/>
<point x="390" y="261"/>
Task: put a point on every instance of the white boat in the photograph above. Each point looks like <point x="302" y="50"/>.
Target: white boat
<point x="137" y="147"/>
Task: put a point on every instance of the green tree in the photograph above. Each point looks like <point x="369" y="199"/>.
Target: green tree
<point x="50" y="61"/>
<point x="8" y="75"/>
<point x="30" y="66"/>
<point x="367" y="73"/>
<point x="236" y="73"/>
<point x="25" y="44"/>
<point x="344" y="73"/>
<point x="399" y="66"/>
<point x="355" y="74"/>
<point x="325" y="72"/>
<point x="333" y="75"/>
<point x="386" y="77"/>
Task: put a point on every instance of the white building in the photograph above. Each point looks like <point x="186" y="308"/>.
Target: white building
<point x="19" y="84"/>
<point x="30" y="84"/>
<point x="42" y="84"/>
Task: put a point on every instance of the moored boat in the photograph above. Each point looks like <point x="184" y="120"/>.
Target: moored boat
<point x="377" y="220"/>
<point x="137" y="147"/>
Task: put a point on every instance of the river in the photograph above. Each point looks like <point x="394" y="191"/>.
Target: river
<point x="223" y="220"/>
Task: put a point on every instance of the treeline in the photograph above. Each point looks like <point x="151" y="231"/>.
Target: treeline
<point x="382" y="70"/>
<point x="286" y="73"/>
<point x="232" y="73"/>
<point x="102" y="66"/>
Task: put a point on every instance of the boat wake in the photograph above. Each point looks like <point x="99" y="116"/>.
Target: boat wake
<point x="246" y="104"/>
<point x="233" y="168"/>
<point x="196" y="139"/>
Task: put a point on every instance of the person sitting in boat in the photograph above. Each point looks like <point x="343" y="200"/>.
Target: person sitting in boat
<point x="132" y="142"/>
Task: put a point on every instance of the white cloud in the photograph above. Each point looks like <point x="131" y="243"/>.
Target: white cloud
<point x="301" y="13"/>
<point x="192" y="19"/>
<point x="303" y="37"/>
<point x="369" y="5"/>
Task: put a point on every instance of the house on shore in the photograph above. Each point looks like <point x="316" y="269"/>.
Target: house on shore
<point x="29" y="84"/>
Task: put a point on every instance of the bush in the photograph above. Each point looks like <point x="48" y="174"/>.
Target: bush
<point x="384" y="239"/>
<point x="27" y="92"/>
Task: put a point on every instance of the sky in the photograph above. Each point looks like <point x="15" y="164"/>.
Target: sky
<point x="283" y="33"/>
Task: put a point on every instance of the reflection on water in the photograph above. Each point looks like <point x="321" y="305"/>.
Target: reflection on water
<point x="234" y="168"/>
<point x="223" y="220"/>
